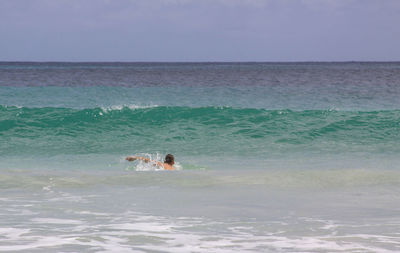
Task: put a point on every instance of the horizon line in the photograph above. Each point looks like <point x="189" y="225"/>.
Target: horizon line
<point x="350" y="61"/>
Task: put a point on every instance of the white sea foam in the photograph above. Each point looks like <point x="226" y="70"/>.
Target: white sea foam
<point x="139" y="165"/>
<point x="13" y="233"/>
<point x="56" y="221"/>
<point x="39" y="242"/>
<point x="11" y="106"/>
<point x="92" y="213"/>
<point x="121" y="107"/>
<point x="141" y="232"/>
<point x="62" y="197"/>
<point x="129" y="216"/>
<point x="154" y="227"/>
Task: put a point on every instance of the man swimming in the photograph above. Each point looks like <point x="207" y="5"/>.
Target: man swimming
<point x="168" y="164"/>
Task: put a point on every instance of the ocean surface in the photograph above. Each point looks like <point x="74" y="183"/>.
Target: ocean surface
<point x="271" y="157"/>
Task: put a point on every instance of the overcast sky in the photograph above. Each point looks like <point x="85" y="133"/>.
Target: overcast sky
<point x="199" y="30"/>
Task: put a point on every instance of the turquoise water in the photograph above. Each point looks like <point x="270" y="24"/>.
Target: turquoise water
<point x="206" y="131"/>
<point x="271" y="157"/>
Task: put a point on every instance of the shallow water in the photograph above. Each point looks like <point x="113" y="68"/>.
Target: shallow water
<point x="221" y="211"/>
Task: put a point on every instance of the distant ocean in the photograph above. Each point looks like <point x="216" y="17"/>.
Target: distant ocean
<point x="271" y="157"/>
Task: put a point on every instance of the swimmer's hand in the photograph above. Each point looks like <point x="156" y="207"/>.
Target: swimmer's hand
<point x="133" y="158"/>
<point x="144" y="159"/>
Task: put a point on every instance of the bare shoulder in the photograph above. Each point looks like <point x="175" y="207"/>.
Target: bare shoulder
<point x="168" y="166"/>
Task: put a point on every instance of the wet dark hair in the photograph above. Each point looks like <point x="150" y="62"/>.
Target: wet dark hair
<point x="169" y="159"/>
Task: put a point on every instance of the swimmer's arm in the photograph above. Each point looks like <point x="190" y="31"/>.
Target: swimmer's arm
<point x="146" y="160"/>
<point x="133" y="158"/>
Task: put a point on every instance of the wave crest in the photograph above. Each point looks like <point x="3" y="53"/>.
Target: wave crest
<point x="212" y="129"/>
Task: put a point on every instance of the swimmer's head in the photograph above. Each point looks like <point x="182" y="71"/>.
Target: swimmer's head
<point x="169" y="159"/>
